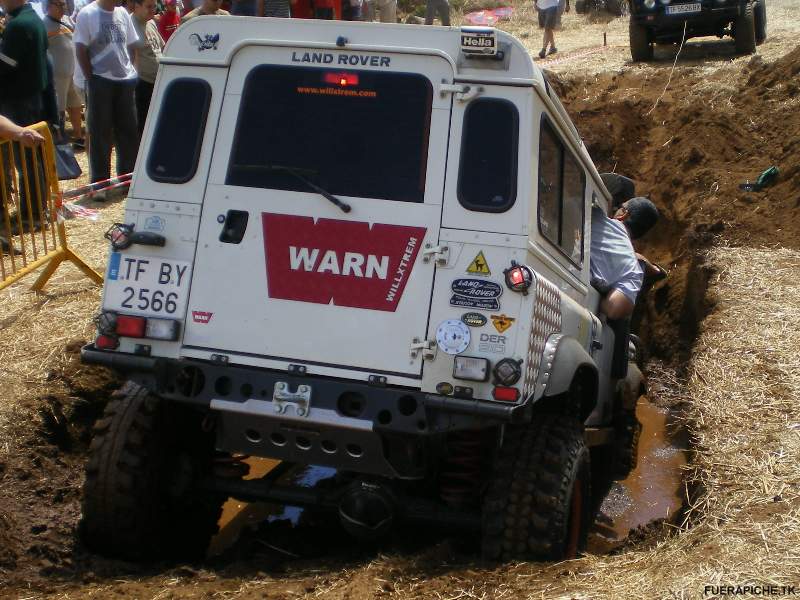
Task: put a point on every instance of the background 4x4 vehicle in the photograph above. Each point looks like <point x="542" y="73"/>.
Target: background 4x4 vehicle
<point x="663" y="22"/>
<point x="366" y="247"/>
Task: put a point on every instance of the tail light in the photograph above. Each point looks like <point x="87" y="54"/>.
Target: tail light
<point x="112" y="326"/>
<point x="518" y="277"/>
<point x="471" y="368"/>
<point x="341" y="79"/>
<point x="505" y="394"/>
<point x="507" y="371"/>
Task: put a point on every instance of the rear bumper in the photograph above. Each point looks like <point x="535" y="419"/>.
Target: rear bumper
<point x="706" y="22"/>
<point x="391" y="433"/>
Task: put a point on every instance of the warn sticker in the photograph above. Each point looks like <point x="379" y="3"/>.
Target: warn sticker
<point x="337" y="262"/>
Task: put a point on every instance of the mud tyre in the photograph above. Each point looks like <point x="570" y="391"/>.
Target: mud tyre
<point x="760" y="16"/>
<point x="538" y="501"/>
<point x="641" y="48"/>
<point x="744" y="30"/>
<point x="141" y="499"/>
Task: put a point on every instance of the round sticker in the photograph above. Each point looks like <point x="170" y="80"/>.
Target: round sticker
<point x="452" y="336"/>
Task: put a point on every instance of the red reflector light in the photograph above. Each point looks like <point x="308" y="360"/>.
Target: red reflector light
<point x="131" y="326"/>
<point x="341" y="79"/>
<point x="516" y="276"/>
<point x="506" y="394"/>
<point x="106" y="342"/>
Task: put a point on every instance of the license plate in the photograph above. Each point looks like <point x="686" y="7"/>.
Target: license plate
<point x="679" y="9"/>
<point x="146" y="285"/>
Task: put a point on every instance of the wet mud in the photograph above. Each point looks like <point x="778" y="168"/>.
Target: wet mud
<point x="654" y="491"/>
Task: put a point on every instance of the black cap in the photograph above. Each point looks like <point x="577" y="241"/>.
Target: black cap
<point x="642" y="215"/>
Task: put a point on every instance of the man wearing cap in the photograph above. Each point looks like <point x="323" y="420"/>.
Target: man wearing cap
<point x="614" y="266"/>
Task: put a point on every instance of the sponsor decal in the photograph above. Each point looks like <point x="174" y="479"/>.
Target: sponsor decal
<point x="345" y="263"/>
<point x="502" y="322"/>
<point x="352" y="60"/>
<point x="201" y="316"/>
<point x="155" y="223"/>
<point x="494" y="344"/>
<point x="474" y="319"/>
<point x="479" y="266"/>
<point x="208" y="42"/>
<point x="452" y="336"/>
<point x="476" y="293"/>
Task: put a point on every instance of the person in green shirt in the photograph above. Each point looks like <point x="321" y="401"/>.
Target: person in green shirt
<point x="23" y="63"/>
<point x="23" y="80"/>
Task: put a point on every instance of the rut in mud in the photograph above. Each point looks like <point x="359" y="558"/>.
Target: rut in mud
<point x="689" y="153"/>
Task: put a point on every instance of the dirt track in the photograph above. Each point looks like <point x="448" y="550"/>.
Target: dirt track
<point x="688" y="141"/>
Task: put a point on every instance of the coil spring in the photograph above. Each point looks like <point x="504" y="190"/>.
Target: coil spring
<point x="460" y="475"/>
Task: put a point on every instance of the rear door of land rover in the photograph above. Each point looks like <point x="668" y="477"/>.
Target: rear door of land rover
<point x="282" y="273"/>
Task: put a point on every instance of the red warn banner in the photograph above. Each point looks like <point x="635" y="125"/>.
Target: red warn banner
<point x="343" y="262"/>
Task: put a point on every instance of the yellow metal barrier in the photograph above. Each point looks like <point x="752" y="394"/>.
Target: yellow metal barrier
<point x="30" y="200"/>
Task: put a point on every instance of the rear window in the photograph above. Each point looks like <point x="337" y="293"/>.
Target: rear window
<point x="178" y="136"/>
<point x="352" y="133"/>
<point x="487" y="177"/>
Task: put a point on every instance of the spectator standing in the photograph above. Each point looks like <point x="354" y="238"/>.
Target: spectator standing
<point x="149" y="50"/>
<point x="60" y="28"/>
<point x="548" y="20"/>
<point x="386" y="8"/>
<point x="208" y="7"/>
<point x="23" y="64"/>
<point x="105" y="46"/>
<point x="440" y="6"/>
<point x="244" y="8"/>
<point x="169" y="20"/>
<point x="273" y="8"/>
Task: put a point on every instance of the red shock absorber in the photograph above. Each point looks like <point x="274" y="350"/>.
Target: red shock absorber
<point x="460" y="476"/>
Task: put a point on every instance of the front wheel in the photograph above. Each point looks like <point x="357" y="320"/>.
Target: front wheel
<point x="538" y="502"/>
<point x="141" y="498"/>
<point x="641" y="48"/>
<point x="744" y="30"/>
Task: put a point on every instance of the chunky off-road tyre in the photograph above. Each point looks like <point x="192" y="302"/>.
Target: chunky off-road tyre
<point x="618" y="8"/>
<point x="744" y="30"/>
<point x="760" y="16"/>
<point x="140" y="497"/>
<point x="538" y="502"/>
<point x="641" y="48"/>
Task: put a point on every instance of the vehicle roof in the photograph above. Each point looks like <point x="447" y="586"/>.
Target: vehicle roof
<point x="237" y="32"/>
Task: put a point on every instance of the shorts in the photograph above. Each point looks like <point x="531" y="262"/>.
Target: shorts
<point x="548" y="18"/>
<point x="67" y="95"/>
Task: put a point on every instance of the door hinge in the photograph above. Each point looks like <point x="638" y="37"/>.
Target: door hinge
<point x="427" y="347"/>
<point x="440" y="253"/>
<point x="462" y="93"/>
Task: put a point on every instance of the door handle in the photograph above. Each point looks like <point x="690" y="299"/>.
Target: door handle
<point x="234" y="226"/>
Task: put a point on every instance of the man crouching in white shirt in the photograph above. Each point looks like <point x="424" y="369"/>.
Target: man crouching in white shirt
<point x="614" y="266"/>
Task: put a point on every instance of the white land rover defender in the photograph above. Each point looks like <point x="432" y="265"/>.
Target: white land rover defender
<point x="367" y="247"/>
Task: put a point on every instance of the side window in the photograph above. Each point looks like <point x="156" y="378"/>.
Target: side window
<point x="178" y="138"/>
<point x="487" y="173"/>
<point x="562" y="185"/>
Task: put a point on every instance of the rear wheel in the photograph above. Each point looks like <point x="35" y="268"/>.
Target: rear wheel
<point x="641" y="48"/>
<point x="141" y="498"/>
<point x="538" y="502"/>
<point x="760" y="16"/>
<point x="744" y="30"/>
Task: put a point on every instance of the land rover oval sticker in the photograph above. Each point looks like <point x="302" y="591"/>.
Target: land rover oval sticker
<point x="346" y="263"/>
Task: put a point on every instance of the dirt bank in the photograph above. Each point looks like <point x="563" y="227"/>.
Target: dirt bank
<point x="688" y="144"/>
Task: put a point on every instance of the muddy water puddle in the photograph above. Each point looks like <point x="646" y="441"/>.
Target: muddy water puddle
<point x="653" y="491"/>
<point x="239" y="517"/>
